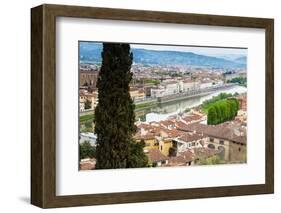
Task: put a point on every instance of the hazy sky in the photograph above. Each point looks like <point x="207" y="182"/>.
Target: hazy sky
<point x="209" y="51"/>
<point x="212" y="51"/>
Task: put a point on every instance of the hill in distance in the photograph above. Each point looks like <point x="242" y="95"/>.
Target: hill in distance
<point x="91" y="52"/>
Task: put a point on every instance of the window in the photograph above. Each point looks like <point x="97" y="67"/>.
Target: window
<point x="193" y="143"/>
<point x="211" y="139"/>
<point x="211" y="146"/>
<point x="239" y="149"/>
<point x="221" y="142"/>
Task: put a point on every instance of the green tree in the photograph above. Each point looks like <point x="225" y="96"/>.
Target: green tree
<point x="137" y="157"/>
<point x="212" y="116"/>
<point x="114" y="114"/>
<point x="219" y="113"/>
<point x="88" y="104"/>
<point x="236" y="105"/>
<point x="222" y="110"/>
<point x="86" y="150"/>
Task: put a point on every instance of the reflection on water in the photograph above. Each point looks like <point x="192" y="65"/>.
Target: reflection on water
<point x="163" y="111"/>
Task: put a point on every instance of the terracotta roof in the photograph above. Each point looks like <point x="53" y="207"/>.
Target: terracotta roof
<point x="154" y="155"/>
<point x="182" y="159"/>
<point x="224" y="131"/>
<point x="148" y="136"/>
<point x="172" y="133"/>
<point x="87" y="164"/>
<point x="191" y="117"/>
<point x="180" y="125"/>
<point x="188" y="137"/>
<point x="167" y="123"/>
<point x="156" y="131"/>
<point x="144" y="126"/>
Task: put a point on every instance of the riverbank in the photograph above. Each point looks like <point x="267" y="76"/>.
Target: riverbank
<point x="143" y="106"/>
<point x="179" y="97"/>
<point x="161" y="111"/>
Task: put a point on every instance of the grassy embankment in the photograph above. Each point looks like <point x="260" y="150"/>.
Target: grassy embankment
<point x="86" y="117"/>
<point x="144" y="105"/>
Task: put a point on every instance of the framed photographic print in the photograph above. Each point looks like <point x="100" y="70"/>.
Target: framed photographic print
<point x="136" y="106"/>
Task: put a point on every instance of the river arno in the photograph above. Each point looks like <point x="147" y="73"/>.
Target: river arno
<point x="163" y="111"/>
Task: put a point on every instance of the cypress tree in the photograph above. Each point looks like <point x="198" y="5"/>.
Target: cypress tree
<point x="114" y="114"/>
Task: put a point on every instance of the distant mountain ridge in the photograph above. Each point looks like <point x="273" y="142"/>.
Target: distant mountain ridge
<point x="91" y="52"/>
<point x="241" y="60"/>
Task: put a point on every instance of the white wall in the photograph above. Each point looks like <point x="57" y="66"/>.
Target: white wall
<point x="15" y="87"/>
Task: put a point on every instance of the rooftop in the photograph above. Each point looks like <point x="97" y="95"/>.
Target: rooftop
<point x="154" y="155"/>
<point x="182" y="159"/>
<point x="227" y="131"/>
<point x="188" y="137"/>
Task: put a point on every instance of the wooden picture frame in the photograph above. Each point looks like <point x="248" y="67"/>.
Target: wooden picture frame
<point x="43" y="105"/>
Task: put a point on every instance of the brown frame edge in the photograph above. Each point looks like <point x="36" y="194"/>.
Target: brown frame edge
<point x="43" y="105"/>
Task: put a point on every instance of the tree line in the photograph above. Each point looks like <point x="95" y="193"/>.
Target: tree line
<point x="241" y="80"/>
<point x="223" y="110"/>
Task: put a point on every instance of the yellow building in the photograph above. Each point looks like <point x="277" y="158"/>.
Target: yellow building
<point x="165" y="145"/>
<point x="149" y="141"/>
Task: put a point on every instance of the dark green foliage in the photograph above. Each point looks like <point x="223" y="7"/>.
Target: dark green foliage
<point x="218" y="113"/>
<point x="137" y="157"/>
<point x="223" y="110"/>
<point x="241" y="80"/>
<point x="114" y="114"/>
<point x="212" y="116"/>
<point x="88" y="104"/>
<point x="86" y="150"/>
